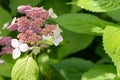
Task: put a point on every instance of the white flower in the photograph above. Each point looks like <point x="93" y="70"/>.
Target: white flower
<point x="57" y="38"/>
<point x="1" y="61"/>
<point x="19" y="47"/>
<point x="51" y="13"/>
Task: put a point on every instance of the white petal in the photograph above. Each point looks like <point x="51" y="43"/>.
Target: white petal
<point x="51" y="13"/>
<point x="57" y="40"/>
<point x="23" y="47"/>
<point x="60" y="38"/>
<point x="5" y="26"/>
<point x="14" y="20"/>
<point x="57" y="31"/>
<point x="46" y="37"/>
<point x="1" y="61"/>
<point x="15" y="43"/>
<point x="16" y="53"/>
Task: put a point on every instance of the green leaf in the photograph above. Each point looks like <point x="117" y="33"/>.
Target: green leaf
<point x="1" y="78"/>
<point x="25" y="69"/>
<point x="73" y="68"/>
<point x="8" y="58"/>
<point x="5" y="69"/>
<point x="74" y="7"/>
<point x="58" y="6"/>
<point x="100" y="50"/>
<point x="15" y="3"/>
<point x="114" y="14"/>
<point x="99" y="5"/>
<point x="100" y="72"/>
<point x="5" y="17"/>
<point x="111" y="42"/>
<point x="43" y="61"/>
<point x="82" y="23"/>
<point x="74" y="42"/>
<point x="105" y="60"/>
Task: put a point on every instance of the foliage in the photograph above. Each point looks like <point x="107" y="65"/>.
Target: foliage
<point x="90" y="49"/>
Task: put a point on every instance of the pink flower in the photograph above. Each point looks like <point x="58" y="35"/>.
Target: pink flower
<point x="29" y="37"/>
<point x="5" y="45"/>
<point x="23" y="9"/>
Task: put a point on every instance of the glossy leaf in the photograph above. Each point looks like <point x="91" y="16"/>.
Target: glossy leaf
<point x="82" y="23"/>
<point x="99" y="5"/>
<point x="100" y="72"/>
<point x="25" y="69"/>
<point x="73" y="68"/>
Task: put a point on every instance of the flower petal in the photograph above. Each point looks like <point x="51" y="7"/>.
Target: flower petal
<point x="51" y="13"/>
<point x="5" y="26"/>
<point x="57" y="40"/>
<point x="1" y="61"/>
<point x="14" y="20"/>
<point x="23" y="47"/>
<point x="16" y="53"/>
<point x="57" y="31"/>
<point x="48" y="37"/>
<point x="15" y="43"/>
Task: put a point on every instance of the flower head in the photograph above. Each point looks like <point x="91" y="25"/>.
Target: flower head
<point x="5" y="45"/>
<point x="33" y="30"/>
<point x="18" y="48"/>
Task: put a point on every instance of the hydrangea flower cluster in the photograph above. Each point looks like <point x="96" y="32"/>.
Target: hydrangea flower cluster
<point x="32" y="29"/>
